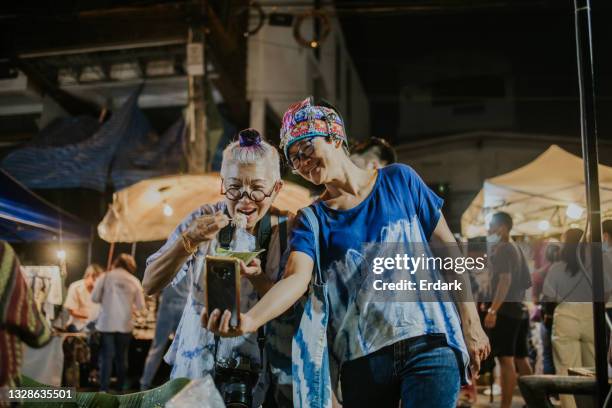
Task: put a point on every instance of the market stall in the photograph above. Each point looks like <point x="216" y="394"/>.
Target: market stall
<point x="26" y="217"/>
<point x="545" y="196"/>
<point x="149" y="210"/>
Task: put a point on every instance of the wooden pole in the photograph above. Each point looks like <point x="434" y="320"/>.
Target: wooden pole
<point x="110" y="256"/>
<point x="197" y="149"/>
<point x="588" y="127"/>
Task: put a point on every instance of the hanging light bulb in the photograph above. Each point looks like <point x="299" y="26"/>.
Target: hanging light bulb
<point x="543" y="225"/>
<point x="61" y="254"/>
<point x="168" y="211"/>
<point x="574" y="211"/>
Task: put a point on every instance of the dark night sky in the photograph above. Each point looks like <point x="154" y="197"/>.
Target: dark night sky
<point x="537" y="41"/>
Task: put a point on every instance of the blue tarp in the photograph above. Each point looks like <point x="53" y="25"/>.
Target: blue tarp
<point x="121" y="152"/>
<point x="145" y="155"/>
<point x="83" y="164"/>
<point x="25" y="217"/>
<point x="65" y="131"/>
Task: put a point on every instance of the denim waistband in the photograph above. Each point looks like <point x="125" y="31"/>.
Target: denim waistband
<point x="426" y="341"/>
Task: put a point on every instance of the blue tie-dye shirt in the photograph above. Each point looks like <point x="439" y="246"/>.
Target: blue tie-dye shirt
<point x="400" y="208"/>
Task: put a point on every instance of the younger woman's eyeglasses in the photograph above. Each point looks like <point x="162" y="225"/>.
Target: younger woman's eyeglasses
<point x="305" y="151"/>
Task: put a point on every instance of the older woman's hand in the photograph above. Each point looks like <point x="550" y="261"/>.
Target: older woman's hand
<point x="206" y="227"/>
<point x="219" y="323"/>
<point x="253" y="269"/>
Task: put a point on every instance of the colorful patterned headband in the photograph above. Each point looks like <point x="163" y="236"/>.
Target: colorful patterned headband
<point x="304" y="120"/>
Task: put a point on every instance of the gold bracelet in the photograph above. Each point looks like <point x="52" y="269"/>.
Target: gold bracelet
<point x="188" y="245"/>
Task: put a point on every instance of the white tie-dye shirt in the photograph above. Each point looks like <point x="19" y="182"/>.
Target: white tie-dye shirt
<point x="400" y="209"/>
<point x="191" y="353"/>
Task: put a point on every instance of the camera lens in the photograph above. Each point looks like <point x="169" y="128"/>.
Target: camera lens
<point x="237" y="395"/>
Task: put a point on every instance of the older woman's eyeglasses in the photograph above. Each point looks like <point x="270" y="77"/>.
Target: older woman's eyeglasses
<point x="305" y="151"/>
<point x="256" y="195"/>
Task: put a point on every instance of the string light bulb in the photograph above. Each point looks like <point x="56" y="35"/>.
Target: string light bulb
<point x="543" y="225"/>
<point x="574" y="211"/>
<point x="168" y="211"/>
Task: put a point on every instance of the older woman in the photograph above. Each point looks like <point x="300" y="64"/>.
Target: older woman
<point x="380" y="351"/>
<point x="250" y="173"/>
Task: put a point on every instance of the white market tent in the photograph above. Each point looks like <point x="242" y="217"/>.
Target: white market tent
<point x="150" y="209"/>
<point x="538" y="195"/>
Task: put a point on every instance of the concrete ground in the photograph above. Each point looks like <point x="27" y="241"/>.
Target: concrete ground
<point x="484" y="400"/>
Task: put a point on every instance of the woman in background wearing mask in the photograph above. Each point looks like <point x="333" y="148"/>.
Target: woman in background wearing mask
<point x="507" y="319"/>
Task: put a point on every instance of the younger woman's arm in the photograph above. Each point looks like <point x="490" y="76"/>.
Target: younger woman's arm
<point x="277" y="300"/>
<point x="475" y="338"/>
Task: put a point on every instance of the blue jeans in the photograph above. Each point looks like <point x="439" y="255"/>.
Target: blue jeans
<point x="114" y="347"/>
<point x="422" y="371"/>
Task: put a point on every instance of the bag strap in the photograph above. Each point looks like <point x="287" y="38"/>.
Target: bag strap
<point x="523" y="263"/>
<point x="264" y="231"/>
<point x="282" y="233"/>
<point x="312" y="220"/>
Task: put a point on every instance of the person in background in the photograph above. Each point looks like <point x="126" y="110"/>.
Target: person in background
<point x="173" y="299"/>
<point x="606" y="241"/>
<point x="20" y="319"/>
<point x="374" y="153"/>
<point x="78" y="300"/>
<point x="119" y="293"/>
<point x="568" y="283"/>
<point x="606" y="246"/>
<point x="551" y="255"/>
<point x="506" y="317"/>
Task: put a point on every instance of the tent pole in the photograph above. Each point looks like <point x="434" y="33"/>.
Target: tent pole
<point x="133" y="249"/>
<point x="588" y="128"/>
<point x="110" y="256"/>
<point x="90" y="245"/>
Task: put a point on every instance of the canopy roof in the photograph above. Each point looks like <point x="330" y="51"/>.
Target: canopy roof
<point x="137" y="212"/>
<point x="25" y="217"/>
<point x="538" y="193"/>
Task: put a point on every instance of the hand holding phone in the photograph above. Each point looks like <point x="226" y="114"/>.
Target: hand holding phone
<point x="223" y="286"/>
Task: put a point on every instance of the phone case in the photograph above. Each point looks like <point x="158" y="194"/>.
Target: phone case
<point x="223" y="286"/>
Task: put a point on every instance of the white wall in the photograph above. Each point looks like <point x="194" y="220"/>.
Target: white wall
<point x="280" y="72"/>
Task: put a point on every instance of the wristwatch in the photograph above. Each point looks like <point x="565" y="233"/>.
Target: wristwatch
<point x="492" y="311"/>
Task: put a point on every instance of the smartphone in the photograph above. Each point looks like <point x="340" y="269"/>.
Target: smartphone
<point x="223" y="286"/>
